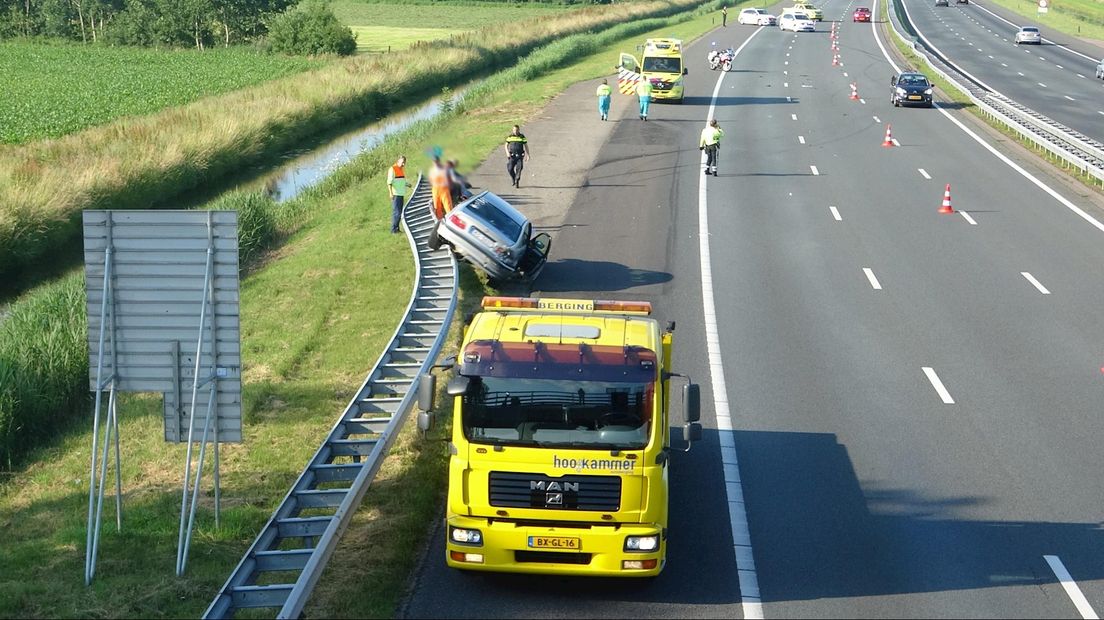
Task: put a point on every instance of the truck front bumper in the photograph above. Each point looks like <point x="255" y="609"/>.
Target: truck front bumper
<point x="507" y="547"/>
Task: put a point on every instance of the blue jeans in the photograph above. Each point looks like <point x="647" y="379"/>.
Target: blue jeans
<point x="644" y="101"/>
<point x="603" y="106"/>
<point x="396" y="212"/>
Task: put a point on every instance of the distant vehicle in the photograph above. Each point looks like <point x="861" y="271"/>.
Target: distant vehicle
<point x="796" y="21"/>
<point x="807" y="8"/>
<point x="494" y="236"/>
<point x="722" y="60"/>
<point x="1100" y="69"/>
<point x="1028" y="34"/>
<point x="756" y="17"/>
<point x="942" y="3"/>
<point x="911" y="88"/>
<point x="862" y="14"/>
<point x="962" y="1"/>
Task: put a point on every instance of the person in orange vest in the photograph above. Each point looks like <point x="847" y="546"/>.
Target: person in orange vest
<point x="439" y="185"/>
<point x="396" y="188"/>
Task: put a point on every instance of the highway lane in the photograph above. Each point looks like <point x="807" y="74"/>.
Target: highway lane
<point x="1055" y="80"/>
<point x="866" y="494"/>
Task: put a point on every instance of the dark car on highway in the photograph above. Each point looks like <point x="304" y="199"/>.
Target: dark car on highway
<point x="911" y="88"/>
<point x="491" y="234"/>
<point x="942" y="3"/>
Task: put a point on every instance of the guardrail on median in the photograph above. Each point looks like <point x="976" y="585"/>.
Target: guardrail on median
<point x="1075" y="149"/>
<point x="302" y="534"/>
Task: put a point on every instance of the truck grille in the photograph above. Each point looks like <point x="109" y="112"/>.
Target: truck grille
<point x="521" y="490"/>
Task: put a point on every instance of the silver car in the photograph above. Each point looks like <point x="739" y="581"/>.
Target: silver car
<point x="1028" y="34"/>
<point x="491" y="234"/>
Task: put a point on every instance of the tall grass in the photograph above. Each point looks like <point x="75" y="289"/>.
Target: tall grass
<point x="137" y="162"/>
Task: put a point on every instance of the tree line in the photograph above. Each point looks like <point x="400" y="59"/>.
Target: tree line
<point x="189" y="23"/>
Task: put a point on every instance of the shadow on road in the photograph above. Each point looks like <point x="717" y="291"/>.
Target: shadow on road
<point x="572" y="274"/>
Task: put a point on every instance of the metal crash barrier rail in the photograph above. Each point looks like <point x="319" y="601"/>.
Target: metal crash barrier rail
<point x="286" y="560"/>
<point x="1077" y="150"/>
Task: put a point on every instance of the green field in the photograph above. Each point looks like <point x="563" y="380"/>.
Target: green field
<point x="314" y="321"/>
<point x="382" y="39"/>
<point x="1079" y="18"/>
<point x="51" y="90"/>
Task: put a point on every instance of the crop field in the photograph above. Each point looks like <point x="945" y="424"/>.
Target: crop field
<point x="51" y="90"/>
<point x="1079" y="18"/>
<point x="388" y="27"/>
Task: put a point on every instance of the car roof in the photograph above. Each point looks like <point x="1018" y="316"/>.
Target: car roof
<point x="862" y="8"/>
<point x="494" y="199"/>
<point x="1029" y="29"/>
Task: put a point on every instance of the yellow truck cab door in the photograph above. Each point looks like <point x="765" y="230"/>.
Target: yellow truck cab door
<point x="628" y="62"/>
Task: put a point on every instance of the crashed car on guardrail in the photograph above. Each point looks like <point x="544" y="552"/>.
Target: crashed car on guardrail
<point x="491" y="234"/>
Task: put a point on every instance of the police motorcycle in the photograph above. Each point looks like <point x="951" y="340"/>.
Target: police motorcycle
<point x="721" y="60"/>
<point x="714" y="60"/>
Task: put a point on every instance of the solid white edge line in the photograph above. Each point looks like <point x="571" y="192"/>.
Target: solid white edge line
<point x="938" y="385"/>
<point x="1001" y="156"/>
<point x="1070" y="586"/>
<point x="1035" y="283"/>
<point x="967" y="217"/>
<point x="836" y="214"/>
<point x="750" y="599"/>
<point x="874" y="283"/>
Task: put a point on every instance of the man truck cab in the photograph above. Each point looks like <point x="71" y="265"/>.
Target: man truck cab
<point x="661" y="64"/>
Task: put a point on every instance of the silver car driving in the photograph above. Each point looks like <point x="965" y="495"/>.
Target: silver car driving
<point x="491" y="234"/>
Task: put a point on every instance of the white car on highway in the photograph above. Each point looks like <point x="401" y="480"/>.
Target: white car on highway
<point x="1028" y="34"/>
<point x="796" y="21"/>
<point x="1100" y="69"/>
<point x="756" y="17"/>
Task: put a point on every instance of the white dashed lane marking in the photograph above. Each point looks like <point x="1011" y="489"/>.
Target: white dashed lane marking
<point x="938" y="385"/>
<point x="874" y="283"/>
<point x="815" y="171"/>
<point x="924" y="173"/>
<point x="966" y="216"/>
<point x="1071" y="588"/>
<point x="835" y="214"/>
<point x="1030" y="278"/>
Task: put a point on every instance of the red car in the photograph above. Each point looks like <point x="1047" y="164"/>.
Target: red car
<point x="862" y="14"/>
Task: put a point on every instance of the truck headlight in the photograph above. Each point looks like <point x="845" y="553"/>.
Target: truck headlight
<point x="462" y="536"/>
<point x="643" y="544"/>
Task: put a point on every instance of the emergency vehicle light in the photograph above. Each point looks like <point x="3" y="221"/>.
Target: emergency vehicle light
<point x="567" y="305"/>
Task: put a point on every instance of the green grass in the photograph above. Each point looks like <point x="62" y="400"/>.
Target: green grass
<point x="1079" y="18"/>
<point x="54" y="89"/>
<point x="453" y="16"/>
<point x="382" y="39"/>
<point x="314" y="320"/>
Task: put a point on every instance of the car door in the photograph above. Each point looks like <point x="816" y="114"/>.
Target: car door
<point x="628" y="62"/>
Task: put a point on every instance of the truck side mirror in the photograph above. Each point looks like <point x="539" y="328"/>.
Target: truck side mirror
<point x="425" y="421"/>
<point x="458" y="386"/>
<point x="691" y="432"/>
<point x="691" y="402"/>
<point x="427" y="388"/>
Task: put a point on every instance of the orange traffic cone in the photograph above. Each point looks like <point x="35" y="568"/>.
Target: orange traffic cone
<point x="888" y="138"/>
<point x="854" y="91"/>
<point x="947" y="208"/>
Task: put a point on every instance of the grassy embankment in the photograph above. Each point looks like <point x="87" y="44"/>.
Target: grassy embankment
<point x="1078" y="18"/>
<point x="961" y="99"/>
<point x="135" y="162"/>
<point x="25" y="417"/>
<point x="313" y="323"/>
<point x="387" y="26"/>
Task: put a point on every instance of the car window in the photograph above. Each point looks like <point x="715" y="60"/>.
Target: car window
<point x="1029" y="29"/>
<point x="495" y="217"/>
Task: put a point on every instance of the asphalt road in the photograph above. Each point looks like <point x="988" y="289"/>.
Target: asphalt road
<point x="1056" y="77"/>
<point x="867" y="493"/>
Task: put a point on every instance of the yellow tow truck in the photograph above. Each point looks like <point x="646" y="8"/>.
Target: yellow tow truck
<point x="662" y="65"/>
<point x="561" y="440"/>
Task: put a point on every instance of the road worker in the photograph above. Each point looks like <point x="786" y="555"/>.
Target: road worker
<point x="604" y="92"/>
<point x="439" y="185"/>
<point x="711" y="143"/>
<point x="644" y="91"/>
<point x="396" y="189"/>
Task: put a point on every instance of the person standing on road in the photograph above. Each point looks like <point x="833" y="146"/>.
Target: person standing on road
<point x="517" y="153"/>
<point x="711" y="143"/>
<point x="724" y="16"/>
<point x="604" y="92"/>
<point x="396" y="189"/>
<point x="439" y="185"/>
<point x="644" y="91"/>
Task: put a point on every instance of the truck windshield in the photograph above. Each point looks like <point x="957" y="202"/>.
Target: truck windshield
<point x="555" y="412"/>
<point x="662" y="64"/>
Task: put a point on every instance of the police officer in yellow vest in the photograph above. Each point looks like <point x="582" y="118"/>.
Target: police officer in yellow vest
<point x="603" y="93"/>
<point x="711" y="143"/>
<point x="644" y="91"/>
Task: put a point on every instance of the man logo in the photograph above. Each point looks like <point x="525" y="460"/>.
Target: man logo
<point x="553" y="499"/>
<point x="552" y="485"/>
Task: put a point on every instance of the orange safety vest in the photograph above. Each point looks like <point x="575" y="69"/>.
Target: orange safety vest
<point x="397" y="170"/>
<point x="442" y="197"/>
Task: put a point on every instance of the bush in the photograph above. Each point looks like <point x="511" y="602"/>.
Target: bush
<point x="308" y="29"/>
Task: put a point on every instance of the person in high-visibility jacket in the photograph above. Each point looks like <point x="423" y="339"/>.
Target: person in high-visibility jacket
<point x="604" y="92"/>
<point x="644" y="91"/>
<point x="711" y="143"/>
<point x="396" y="189"/>
<point x="439" y="186"/>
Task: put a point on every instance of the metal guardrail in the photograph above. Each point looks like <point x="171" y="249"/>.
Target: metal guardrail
<point x="302" y="534"/>
<point x="1076" y="149"/>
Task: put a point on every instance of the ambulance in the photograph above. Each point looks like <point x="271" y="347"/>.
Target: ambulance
<point x="561" y="438"/>
<point x="662" y="65"/>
